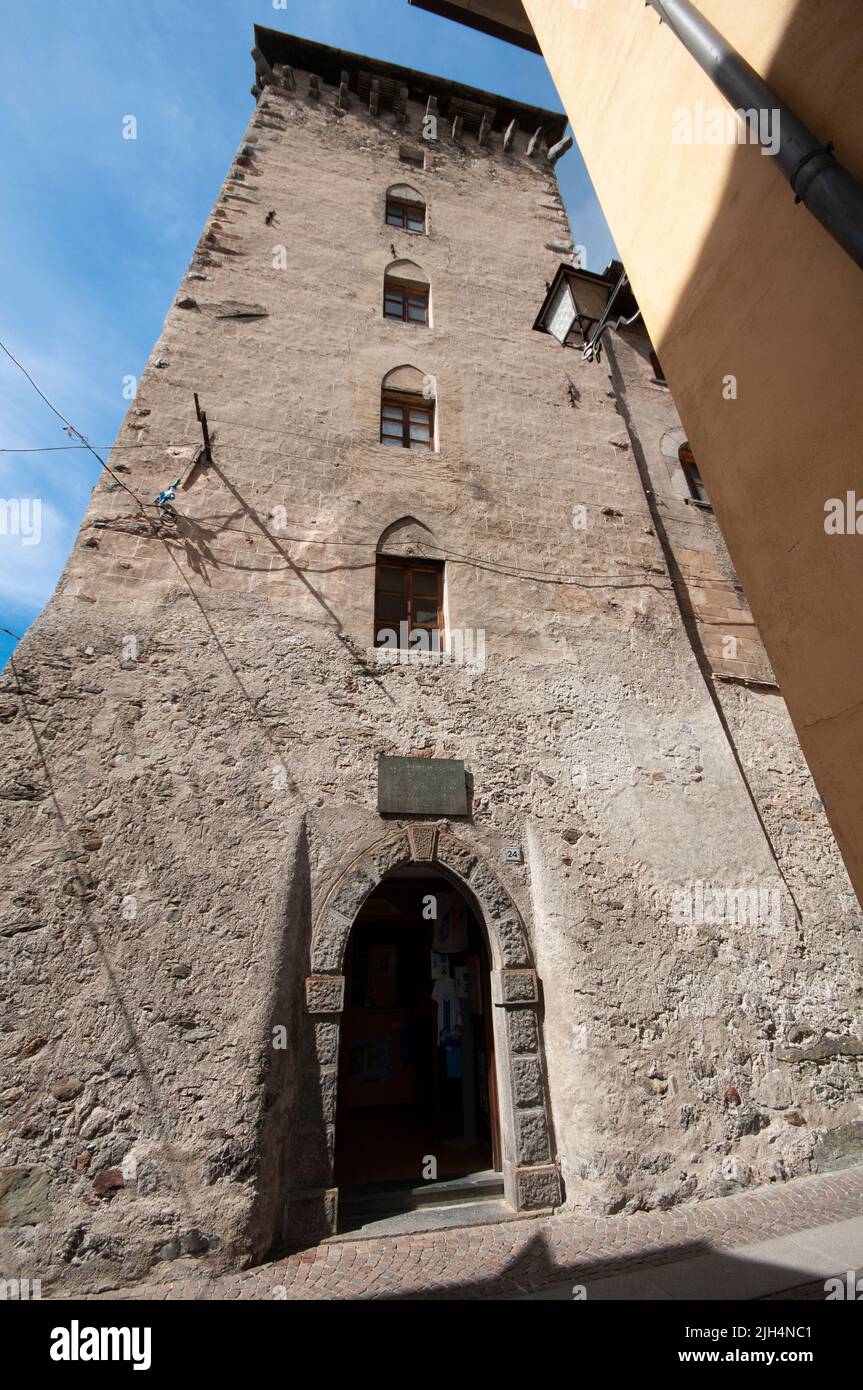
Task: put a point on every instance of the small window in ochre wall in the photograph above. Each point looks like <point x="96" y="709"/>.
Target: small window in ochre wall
<point x="694" y="481"/>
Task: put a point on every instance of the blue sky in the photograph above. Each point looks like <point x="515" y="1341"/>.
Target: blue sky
<point x="96" y="231"/>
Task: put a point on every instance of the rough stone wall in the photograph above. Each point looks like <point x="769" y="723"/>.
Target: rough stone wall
<point x="191" y="732"/>
<point x="710" y="594"/>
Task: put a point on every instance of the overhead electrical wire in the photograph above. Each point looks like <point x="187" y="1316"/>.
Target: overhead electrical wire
<point x="69" y="426"/>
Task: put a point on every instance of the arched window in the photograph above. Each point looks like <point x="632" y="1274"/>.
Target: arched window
<point x="408" y="400"/>
<point x="409" y="596"/>
<point x="406" y="293"/>
<point x="406" y="208"/>
<point x="409" y="604"/>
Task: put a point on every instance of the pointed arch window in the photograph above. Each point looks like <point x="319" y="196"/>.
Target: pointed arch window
<point x="409" y="603"/>
<point x="406" y="293"/>
<point x="406" y="424"/>
<point x="406" y="209"/>
<point x="408" y="303"/>
<point x="408" y="410"/>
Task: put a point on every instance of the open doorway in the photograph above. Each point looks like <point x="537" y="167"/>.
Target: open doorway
<point x="417" y="1094"/>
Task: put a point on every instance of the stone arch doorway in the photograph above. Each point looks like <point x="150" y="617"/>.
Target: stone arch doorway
<point x="417" y="1104"/>
<point x="526" y="1153"/>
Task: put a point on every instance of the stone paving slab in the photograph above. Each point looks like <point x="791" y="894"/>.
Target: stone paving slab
<point x="513" y="1259"/>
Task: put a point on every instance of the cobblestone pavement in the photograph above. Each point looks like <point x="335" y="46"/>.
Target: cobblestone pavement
<point x="513" y="1258"/>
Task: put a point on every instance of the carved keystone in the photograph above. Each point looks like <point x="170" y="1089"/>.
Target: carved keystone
<point x="423" y="839"/>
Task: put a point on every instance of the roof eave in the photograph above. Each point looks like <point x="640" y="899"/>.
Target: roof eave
<point x="445" y="9"/>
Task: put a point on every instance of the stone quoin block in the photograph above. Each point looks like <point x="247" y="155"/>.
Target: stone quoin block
<point x="532" y="1137"/>
<point x="326" y="1043"/>
<point x="327" y="1089"/>
<point x="325" y="994"/>
<point x="490" y="891"/>
<point x="513" y="941"/>
<point x="388" y="855"/>
<point x="526" y="1081"/>
<point x="523" y="1030"/>
<point x="311" y="1214"/>
<point x="330" y="939"/>
<point x="514" y="987"/>
<point x="312" y="1163"/>
<point x="538" y="1187"/>
<point x="352" y="891"/>
<point x="456" y="855"/>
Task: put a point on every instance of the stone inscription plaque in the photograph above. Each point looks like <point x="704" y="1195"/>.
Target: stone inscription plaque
<point x="422" y="786"/>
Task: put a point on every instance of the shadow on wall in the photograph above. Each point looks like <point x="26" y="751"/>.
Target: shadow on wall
<point x="274" y="1158"/>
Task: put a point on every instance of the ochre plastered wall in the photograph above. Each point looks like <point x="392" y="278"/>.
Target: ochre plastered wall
<point x="734" y="279"/>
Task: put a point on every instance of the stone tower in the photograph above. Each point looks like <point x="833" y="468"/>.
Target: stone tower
<point x="434" y="608"/>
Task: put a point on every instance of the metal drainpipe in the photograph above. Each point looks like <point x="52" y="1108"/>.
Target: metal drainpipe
<point x="828" y="190"/>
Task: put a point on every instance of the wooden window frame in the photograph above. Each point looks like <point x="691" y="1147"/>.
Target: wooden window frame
<point x="694" y="480"/>
<point x="407" y="402"/>
<point x="405" y="209"/>
<point x="407" y="291"/>
<point x="409" y="567"/>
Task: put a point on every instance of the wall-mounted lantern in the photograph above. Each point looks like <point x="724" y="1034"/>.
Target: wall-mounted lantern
<point x="579" y="304"/>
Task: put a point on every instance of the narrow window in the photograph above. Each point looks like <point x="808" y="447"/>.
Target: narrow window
<point x="409" y="217"/>
<point x="407" y="421"/>
<point x="410" y="303"/>
<point x="408" y="154"/>
<point x="697" y="490"/>
<point x="409" y="603"/>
